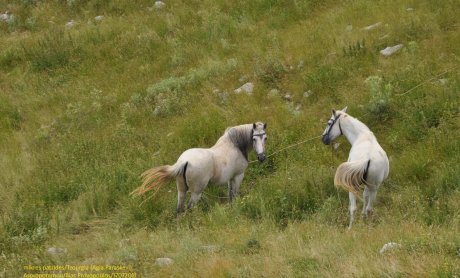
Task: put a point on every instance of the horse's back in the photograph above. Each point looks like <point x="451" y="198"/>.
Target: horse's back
<point x="196" y="156"/>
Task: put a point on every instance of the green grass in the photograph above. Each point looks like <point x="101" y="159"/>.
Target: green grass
<point x="85" y="110"/>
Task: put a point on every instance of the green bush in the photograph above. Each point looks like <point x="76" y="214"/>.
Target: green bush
<point x="379" y="105"/>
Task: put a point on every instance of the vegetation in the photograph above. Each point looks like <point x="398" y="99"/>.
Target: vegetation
<point x="85" y="109"/>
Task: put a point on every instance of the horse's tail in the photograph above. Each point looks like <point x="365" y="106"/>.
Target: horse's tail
<point x="155" y="178"/>
<point x="351" y="175"/>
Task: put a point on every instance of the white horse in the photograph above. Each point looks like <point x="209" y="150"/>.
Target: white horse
<point x="367" y="162"/>
<point x="225" y="162"/>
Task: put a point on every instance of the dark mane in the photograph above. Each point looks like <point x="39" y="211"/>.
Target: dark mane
<point x="241" y="137"/>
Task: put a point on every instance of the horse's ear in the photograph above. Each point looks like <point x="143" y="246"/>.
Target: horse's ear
<point x="254" y="126"/>
<point x="333" y="112"/>
<point x="265" y="126"/>
<point x="345" y="109"/>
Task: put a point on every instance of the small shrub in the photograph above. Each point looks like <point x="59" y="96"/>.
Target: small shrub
<point x="270" y="72"/>
<point x="379" y="105"/>
<point x="55" y="50"/>
<point x="355" y="49"/>
<point x="252" y="246"/>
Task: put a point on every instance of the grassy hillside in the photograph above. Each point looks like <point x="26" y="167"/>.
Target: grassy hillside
<point x="87" y="106"/>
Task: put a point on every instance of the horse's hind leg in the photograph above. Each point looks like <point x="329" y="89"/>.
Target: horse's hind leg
<point x="196" y="190"/>
<point x="366" y="201"/>
<point x="181" y="191"/>
<point x="352" y="208"/>
<point x="193" y="199"/>
<point x="372" y="196"/>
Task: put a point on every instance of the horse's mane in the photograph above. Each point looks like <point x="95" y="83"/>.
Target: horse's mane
<point x="241" y="137"/>
<point x="357" y="123"/>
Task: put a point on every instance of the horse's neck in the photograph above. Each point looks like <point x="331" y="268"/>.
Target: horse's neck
<point x="235" y="136"/>
<point x="352" y="128"/>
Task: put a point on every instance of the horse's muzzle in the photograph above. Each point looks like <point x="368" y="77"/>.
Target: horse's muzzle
<point x="261" y="157"/>
<point x="326" y="139"/>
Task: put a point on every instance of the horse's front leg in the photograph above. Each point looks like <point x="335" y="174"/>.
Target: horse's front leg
<point x="234" y="186"/>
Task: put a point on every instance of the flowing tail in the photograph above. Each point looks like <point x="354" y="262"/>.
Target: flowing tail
<point x="351" y="175"/>
<point x="155" y="178"/>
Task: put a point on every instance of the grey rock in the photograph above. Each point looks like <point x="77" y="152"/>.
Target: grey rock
<point x="287" y="97"/>
<point x="298" y="108"/>
<point x="372" y="27"/>
<point x="99" y="18"/>
<point x="389" y="246"/>
<point x="247" y="88"/>
<point x="443" y="81"/>
<point x="70" y="24"/>
<point x="164" y="261"/>
<point x="5" y="16"/>
<point x="56" y="251"/>
<point x="129" y="258"/>
<point x="159" y="5"/>
<point x="307" y="94"/>
<point x="390" y="50"/>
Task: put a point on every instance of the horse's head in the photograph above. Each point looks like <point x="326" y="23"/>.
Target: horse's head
<point x="259" y="137"/>
<point x="333" y="128"/>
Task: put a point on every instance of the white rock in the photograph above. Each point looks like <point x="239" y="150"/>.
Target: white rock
<point x="287" y="97"/>
<point x="307" y="93"/>
<point x="388" y="246"/>
<point x="5" y="16"/>
<point x="443" y="81"/>
<point x="246" y="88"/>
<point x="55" y="251"/>
<point x="164" y="261"/>
<point x="99" y="18"/>
<point x="390" y="50"/>
<point x="298" y="107"/>
<point x="373" y="26"/>
<point x="159" y="4"/>
<point x="70" y="24"/>
<point x="409" y="9"/>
